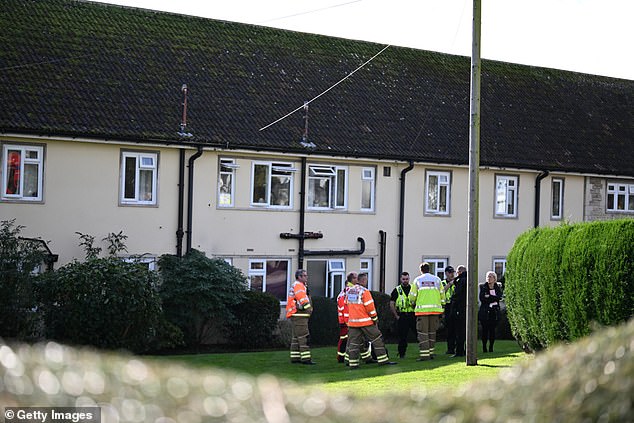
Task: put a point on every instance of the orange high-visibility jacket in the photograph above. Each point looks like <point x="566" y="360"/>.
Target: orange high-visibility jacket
<point x="298" y="303"/>
<point x="361" y="308"/>
<point x="342" y="307"/>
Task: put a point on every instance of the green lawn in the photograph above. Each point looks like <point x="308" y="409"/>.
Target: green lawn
<point x="329" y="375"/>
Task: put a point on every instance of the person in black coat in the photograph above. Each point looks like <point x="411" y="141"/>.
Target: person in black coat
<point x="489" y="312"/>
<point x="459" y="310"/>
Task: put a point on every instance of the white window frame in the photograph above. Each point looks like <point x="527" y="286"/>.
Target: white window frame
<point x="226" y="167"/>
<point x="365" y="265"/>
<point x="150" y="261"/>
<point x="437" y="265"/>
<point x="333" y="174"/>
<point x="616" y="190"/>
<point x="502" y="195"/>
<point x="282" y="169"/>
<point x="24" y="160"/>
<point x="368" y="179"/>
<point x="262" y="272"/>
<point x="336" y="269"/>
<point x="429" y="209"/>
<point x="500" y="260"/>
<point x="141" y="164"/>
<point x="557" y="197"/>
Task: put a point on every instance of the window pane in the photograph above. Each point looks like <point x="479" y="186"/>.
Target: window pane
<point x="366" y="194"/>
<point x="318" y="192"/>
<point x="30" y="179"/>
<point x="31" y="154"/>
<point x="280" y="190"/>
<point x="260" y="184"/>
<point x="257" y="282"/>
<point x="443" y="199"/>
<point x="341" y="188"/>
<point x="224" y="189"/>
<point x="610" y="201"/>
<point x="14" y="158"/>
<point x="145" y="185"/>
<point x="129" y="178"/>
<point x="276" y="275"/>
<point x="511" y="203"/>
<point x="432" y="193"/>
<point x="500" y="207"/>
<point x="630" y="204"/>
<point x="620" y="202"/>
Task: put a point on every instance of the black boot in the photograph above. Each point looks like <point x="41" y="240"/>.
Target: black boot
<point x="491" y="346"/>
<point x="484" y="346"/>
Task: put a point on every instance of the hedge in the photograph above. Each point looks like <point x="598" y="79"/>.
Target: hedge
<point x="255" y="321"/>
<point x="560" y="280"/>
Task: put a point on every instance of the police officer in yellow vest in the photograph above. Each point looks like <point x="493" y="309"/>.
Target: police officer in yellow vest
<point x="403" y="311"/>
<point x="427" y="297"/>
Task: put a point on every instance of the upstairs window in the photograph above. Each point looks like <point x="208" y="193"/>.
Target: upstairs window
<point x="327" y="187"/>
<point x="139" y="178"/>
<point x="226" y="178"/>
<point x="437" y="193"/>
<point x="557" y="201"/>
<point x="22" y="172"/>
<point x="620" y="197"/>
<point x="272" y="184"/>
<point x="367" y="189"/>
<point x="505" y="196"/>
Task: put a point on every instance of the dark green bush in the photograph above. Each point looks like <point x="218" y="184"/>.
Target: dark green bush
<point x="255" y="321"/>
<point x="559" y="280"/>
<point x="199" y="294"/>
<point x="18" y="259"/>
<point x="324" y="324"/>
<point x="103" y="302"/>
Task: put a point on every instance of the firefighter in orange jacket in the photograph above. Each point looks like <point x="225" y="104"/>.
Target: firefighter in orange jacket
<point x="342" y="314"/>
<point x="362" y="324"/>
<point x="298" y="310"/>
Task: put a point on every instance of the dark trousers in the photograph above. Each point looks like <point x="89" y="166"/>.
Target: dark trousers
<point x="488" y="333"/>
<point x="460" y="322"/>
<point x="450" y="324"/>
<point x="405" y="323"/>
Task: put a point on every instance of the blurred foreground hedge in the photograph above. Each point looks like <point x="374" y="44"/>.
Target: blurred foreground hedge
<point x="590" y="380"/>
<point x="560" y="280"/>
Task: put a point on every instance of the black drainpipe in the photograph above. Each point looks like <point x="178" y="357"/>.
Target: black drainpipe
<point x="401" y="222"/>
<point x="382" y="246"/>
<point x="538" y="185"/>
<point x="190" y="196"/>
<point x="181" y="195"/>
<point x="302" y="214"/>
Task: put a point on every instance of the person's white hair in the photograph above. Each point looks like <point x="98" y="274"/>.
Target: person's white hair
<point x="491" y="272"/>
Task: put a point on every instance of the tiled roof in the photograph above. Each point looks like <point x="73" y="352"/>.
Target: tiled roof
<point x="84" y="69"/>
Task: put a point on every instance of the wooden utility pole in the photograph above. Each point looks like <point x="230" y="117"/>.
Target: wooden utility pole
<point x="474" y="192"/>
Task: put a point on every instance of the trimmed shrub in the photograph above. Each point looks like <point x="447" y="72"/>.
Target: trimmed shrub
<point x="18" y="259"/>
<point x="559" y="280"/>
<point x="255" y="321"/>
<point x="103" y="302"/>
<point x="324" y="324"/>
<point x="199" y="294"/>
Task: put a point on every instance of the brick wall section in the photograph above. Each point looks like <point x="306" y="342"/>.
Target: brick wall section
<point x="594" y="207"/>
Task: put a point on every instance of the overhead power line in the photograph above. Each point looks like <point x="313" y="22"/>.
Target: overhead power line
<point x="324" y="92"/>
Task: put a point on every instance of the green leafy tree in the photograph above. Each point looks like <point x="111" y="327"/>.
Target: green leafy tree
<point x="18" y="259"/>
<point x="198" y="294"/>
